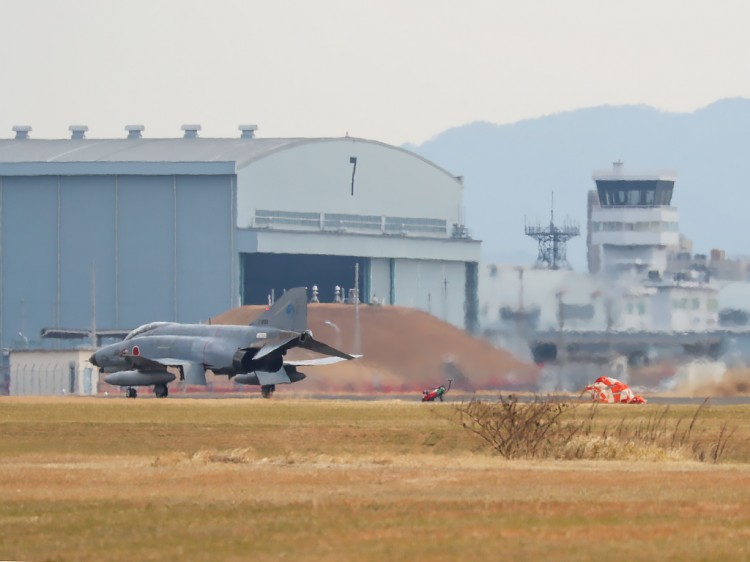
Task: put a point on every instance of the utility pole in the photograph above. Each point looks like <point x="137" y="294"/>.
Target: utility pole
<point x="560" y="343"/>
<point x="23" y="322"/>
<point x="356" y="308"/>
<point x="93" y="306"/>
<point x="445" y="299"/>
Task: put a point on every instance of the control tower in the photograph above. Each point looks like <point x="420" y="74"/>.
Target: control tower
<point x="634" y="222"/>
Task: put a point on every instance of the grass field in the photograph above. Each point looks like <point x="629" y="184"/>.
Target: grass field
<point x="241" y="479"/>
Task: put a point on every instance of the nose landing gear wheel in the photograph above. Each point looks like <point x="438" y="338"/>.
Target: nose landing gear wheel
<point x="131" y="392"/>
<point x="161" y="390"/>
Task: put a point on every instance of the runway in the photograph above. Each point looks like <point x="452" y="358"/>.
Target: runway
<point x="417" y="397"/>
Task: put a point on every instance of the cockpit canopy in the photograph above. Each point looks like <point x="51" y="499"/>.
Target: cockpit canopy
<point x="140" y="330"/>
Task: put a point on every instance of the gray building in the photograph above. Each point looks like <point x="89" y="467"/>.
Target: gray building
<point x="181" y="229"/>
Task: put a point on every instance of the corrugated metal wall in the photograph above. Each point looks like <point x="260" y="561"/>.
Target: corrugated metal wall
<point x="162" y="248"/>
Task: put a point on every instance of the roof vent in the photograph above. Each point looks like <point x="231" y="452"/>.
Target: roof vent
<point x="191" y="131"/>
<point x="617" y="167"/>
<point x="78" y="132"/>
<point x="248" y="131"/>
<point x="22" y="131"/>
<point x="134" y="131"/>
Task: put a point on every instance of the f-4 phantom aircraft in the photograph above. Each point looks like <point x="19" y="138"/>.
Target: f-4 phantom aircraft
<point x="251" y="354"/>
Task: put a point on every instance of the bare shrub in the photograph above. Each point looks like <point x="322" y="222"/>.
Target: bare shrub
<point x="534" y="429"/>
<point x="548" y="428"/>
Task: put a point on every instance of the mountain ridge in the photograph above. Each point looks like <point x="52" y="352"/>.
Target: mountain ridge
<point x="510" y="171"/>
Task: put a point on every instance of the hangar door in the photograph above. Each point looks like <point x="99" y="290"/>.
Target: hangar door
<point x="263" y="273"/>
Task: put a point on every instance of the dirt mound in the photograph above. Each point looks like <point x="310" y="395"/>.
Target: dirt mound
<point x="404" y="350"/>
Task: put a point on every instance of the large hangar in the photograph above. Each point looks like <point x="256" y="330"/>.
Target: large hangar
<point x="113" y="233"/>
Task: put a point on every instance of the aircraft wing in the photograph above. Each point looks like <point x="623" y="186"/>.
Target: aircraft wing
<point x="271" y="346"/>
<point x="321" y="361"/>
<point x="194" y="372"/>
<point x="146" y="365"/>
<point x="308" y="343"/>
<point x="325" y="349"/>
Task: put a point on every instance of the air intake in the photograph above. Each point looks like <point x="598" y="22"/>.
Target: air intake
<point x="78" y="132"/>
<point x="248" y="131"/>
<point x="135" y="131"/>
<point x="191" y="131"/>
<point x="22" y="131"/>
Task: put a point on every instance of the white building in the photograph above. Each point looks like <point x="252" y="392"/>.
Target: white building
<point x="47" y="372"/>
<point x="633" y="231"/>
<point x="685" y="307"/>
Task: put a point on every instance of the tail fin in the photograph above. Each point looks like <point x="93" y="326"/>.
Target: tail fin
<point x="287" y="313"/>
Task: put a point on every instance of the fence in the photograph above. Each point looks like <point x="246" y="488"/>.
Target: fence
<point x="52" y="379"/>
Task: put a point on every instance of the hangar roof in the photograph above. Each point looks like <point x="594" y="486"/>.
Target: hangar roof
<point x="17" y="156"/>
<point x="138" y="150"/>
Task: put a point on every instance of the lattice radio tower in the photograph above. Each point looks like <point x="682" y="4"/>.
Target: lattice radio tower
<point x="552" y="241"/>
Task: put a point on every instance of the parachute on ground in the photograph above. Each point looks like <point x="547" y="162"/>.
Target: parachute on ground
<point x="609" y="390"/>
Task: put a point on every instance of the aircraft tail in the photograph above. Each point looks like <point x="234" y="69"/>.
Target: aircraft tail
<point x="288" y="313"/>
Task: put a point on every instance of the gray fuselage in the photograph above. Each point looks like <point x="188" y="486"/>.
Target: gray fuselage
<point x="223" y="349"/>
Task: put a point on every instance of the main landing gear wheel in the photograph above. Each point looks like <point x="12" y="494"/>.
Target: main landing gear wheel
<point x="131" y="392"/>
<point x="161" y="390"/>
<point x="267" y="390"/>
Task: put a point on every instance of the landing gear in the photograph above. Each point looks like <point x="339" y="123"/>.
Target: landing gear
<point x="267" y="390"/>
<point x="131" y="392"/>
<point x="161" y="390"/>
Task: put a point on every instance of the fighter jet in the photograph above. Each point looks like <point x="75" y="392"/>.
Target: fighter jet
<point x="251" y="354"/>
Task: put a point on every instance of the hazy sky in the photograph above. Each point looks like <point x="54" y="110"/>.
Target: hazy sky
<point x="390" y="70"/>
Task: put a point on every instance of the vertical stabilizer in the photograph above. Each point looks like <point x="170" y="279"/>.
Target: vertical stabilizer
<point x="287" y="313"/>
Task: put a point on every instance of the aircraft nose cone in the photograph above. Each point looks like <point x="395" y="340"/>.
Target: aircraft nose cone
<point x="92" y="360"/>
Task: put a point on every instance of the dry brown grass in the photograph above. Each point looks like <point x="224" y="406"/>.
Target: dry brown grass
<point x="543" y="426"/>
<point x="238" y="479"/>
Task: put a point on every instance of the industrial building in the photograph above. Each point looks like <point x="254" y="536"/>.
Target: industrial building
<point x="113" y="233"/>
<point x="645" y="296"/>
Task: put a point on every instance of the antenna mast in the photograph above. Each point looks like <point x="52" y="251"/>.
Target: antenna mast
<point x="552" y="241"/>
